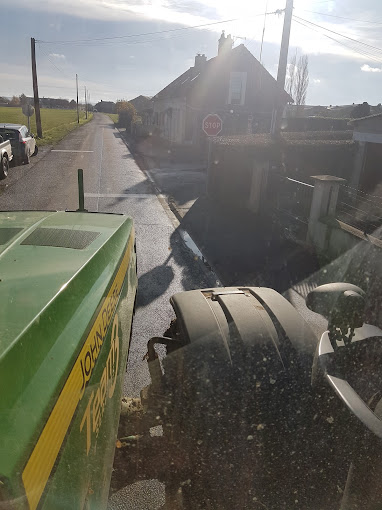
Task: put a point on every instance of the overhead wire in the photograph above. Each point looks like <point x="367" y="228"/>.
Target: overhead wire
<point x="346" y="45"/>
<point x="341" y="35"/>
<point x="126" y="43"/>
<point x="361" y="52"/>
<point x="262" y="38"/>
<point x="57" y="68"/>
<point x="73" y="41"/>
<point x="341" y="17"/>
<point x="51" y="61"/>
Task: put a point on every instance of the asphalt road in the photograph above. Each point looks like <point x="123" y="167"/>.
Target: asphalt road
<point x="115" y="183"/>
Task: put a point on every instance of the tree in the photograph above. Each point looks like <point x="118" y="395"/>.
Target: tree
<point x="361" y="110"/>
<point x="291" y="75"/>
<point x="302" y="80"/>
<point x="23" y="99"/>
<point x="298" y="79"/>
<point x="126" y="114"/>
<point x="15" y="101"/>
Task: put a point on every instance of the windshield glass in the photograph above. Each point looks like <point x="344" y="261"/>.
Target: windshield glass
<point x="9" y="135"/>
<point x="190" y="254"/>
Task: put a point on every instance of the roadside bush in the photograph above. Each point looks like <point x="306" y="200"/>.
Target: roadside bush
<point x="126" y="114"/>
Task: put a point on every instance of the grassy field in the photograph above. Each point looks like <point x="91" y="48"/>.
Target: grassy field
<point x="55" y="123"/>
<point x="114" y="117"/>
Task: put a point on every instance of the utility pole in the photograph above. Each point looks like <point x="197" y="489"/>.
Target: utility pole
<point x="86" y="106"/>
<point x="78" y="113"/>
<point x="35" y="88"/>
<point x="283" y="62"/>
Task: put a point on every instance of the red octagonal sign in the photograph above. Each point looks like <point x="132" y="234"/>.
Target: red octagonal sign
<point x="212" y="124"/>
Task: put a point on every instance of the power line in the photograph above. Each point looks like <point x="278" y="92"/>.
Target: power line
<point x="151" y="33"/>
<point x="341" y="17"/>
<point x="127" y="43"/>
<point x="51" y="62"/>
<point x="262" y="38"/>
<point x="341" y="35"/>
<point x="361" y="52"/>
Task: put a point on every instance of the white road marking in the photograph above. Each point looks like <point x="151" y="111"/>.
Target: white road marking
<point x="64" y="150"/>
<point x="118" y="195"/>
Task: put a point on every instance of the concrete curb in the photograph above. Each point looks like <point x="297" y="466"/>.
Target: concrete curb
<point x="173" y="214"/>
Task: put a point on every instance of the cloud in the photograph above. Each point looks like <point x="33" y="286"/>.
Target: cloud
<point x="316" y="80"/>
<point x="59" y="56"/>
<point x="367" y="69"/>
<point x="14" y="81"/>
<point x="249" y="22"/>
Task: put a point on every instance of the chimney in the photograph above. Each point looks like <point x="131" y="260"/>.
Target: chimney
<point x="225" y="43"/>
<point x="200" y="60"/>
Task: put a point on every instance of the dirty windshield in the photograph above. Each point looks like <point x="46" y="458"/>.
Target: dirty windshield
<point x="190" y="255"/>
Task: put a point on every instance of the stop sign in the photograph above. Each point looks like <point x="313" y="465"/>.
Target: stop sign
<point x="28" y="110"/>
<point x="212" y="124"/>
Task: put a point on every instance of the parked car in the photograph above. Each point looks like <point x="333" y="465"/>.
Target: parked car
<point x="22" y="141"/>
<point x="6" y="156"/>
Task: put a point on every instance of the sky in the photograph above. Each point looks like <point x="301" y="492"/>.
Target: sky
<point x="102" y="41"/>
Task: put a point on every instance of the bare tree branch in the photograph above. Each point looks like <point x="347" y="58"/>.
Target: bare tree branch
<point x="298" y="80"/>
<point x="291" y="75"/>
<point x="301" y="81"/>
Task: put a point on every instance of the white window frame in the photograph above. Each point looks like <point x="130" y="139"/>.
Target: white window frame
<point x="243" y="76"/>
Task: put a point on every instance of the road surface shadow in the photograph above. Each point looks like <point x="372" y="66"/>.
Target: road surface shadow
<point x="154" y="283"/>
<point x="245" y="249"/>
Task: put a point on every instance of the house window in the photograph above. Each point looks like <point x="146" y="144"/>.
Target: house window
<point x="237" y="86"/>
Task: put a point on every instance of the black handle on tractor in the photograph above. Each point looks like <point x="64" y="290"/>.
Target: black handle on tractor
<point x="343" y="304"/>
<point x="346" y="364"/>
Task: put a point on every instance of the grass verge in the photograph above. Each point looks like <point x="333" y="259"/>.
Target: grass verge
<point x="55" y="123"/>
<point x="114" y="117"/>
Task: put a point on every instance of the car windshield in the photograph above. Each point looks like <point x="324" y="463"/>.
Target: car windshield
<point x="191" y="254"/>
<point x="9" y="135"/>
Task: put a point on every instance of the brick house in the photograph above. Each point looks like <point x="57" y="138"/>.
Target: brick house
<point x="233" y="84"/>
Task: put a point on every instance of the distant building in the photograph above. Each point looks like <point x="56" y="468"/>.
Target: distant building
<point x="233" y="84"/>
<point x="105" y="107"/>
<point x="142" y="103"/>
<point x="49" y="102"/>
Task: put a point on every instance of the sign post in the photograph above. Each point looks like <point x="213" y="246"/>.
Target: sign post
<point x="212" y="126"/>
<point x="28" y="111"/>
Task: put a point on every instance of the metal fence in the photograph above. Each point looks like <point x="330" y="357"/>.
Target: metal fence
<point x="292" y="200"/>
<point x="360" y="210"/>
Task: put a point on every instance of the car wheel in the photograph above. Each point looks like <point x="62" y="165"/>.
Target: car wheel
<point x="27" y="158"/>
<point x="4" y="167"/>
<point x="35" y="151"/>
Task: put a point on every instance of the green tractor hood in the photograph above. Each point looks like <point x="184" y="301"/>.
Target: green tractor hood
<point x="61" y="274"/>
